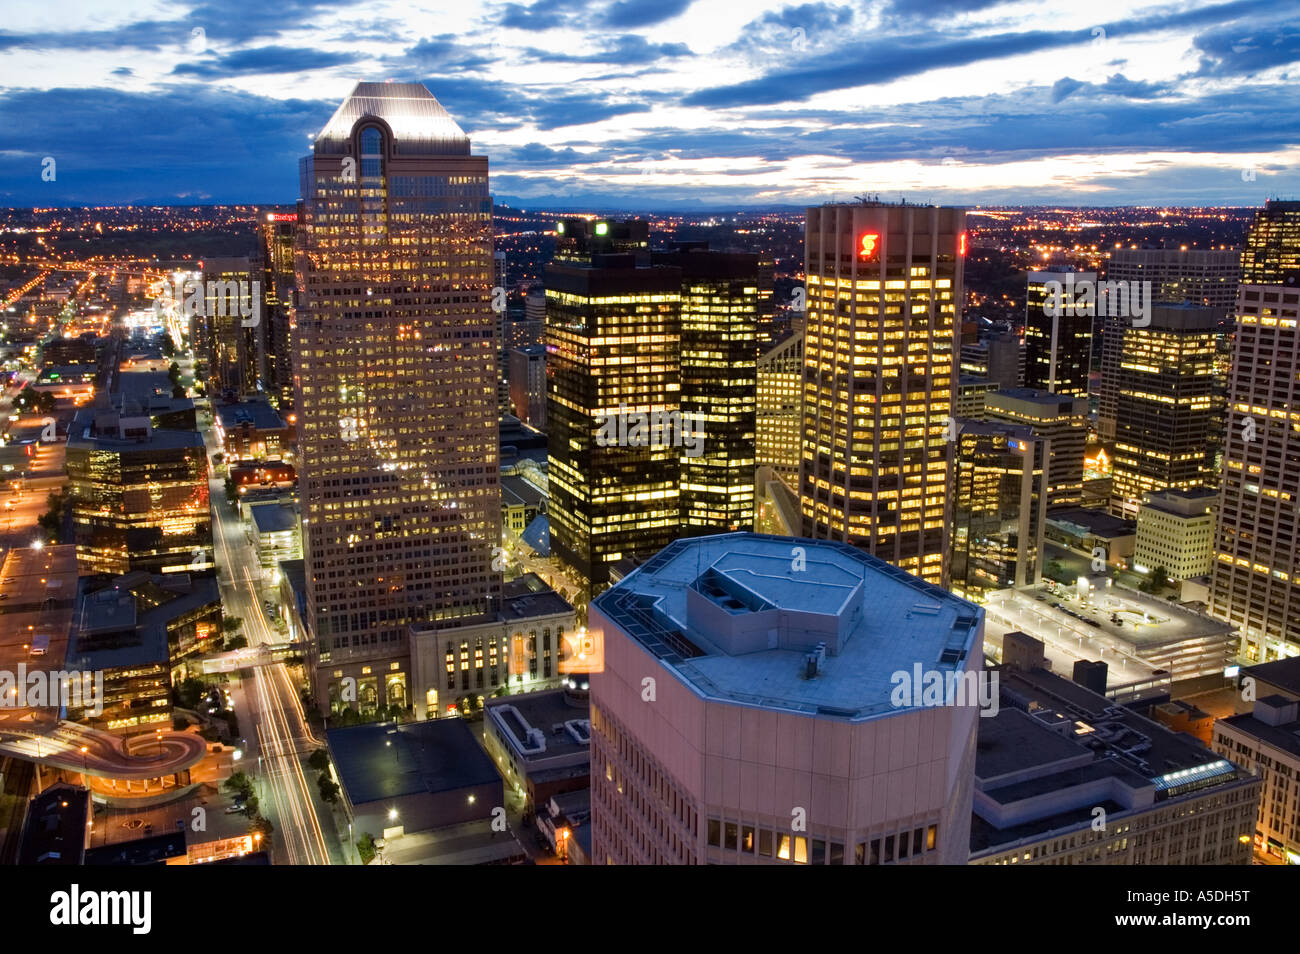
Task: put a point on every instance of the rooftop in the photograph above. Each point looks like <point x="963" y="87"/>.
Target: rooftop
<point x="257" y="414"/>
<point x="387" y="760"/>
<point x="543" y="725"/>
<point x="1080" y="520"/>
<point x="419" y="123"/>
<point x="274" y="518"/>
<point x="735" y="617"/>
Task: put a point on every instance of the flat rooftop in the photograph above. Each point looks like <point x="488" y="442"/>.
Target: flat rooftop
<point x="257" y="414"/>
<point x="548" y="712"/>
<point x="1283" y="673"/>
<point x="1099" y="522"/>
<point x="890" y="621"/>
<point x="438" y="755"/>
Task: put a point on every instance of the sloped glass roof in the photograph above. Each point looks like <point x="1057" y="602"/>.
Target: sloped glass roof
<point x="419" y="123"/>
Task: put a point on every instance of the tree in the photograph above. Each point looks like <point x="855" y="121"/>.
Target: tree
<point x="232" y="490"/>
<point x="235" y="641"/>
<point x="190" y="692"/>
<point x="329" y="790"/>
<point x="366" y="847"/>
<point x="1159" y="579"/>
<point x="232" y="623"/>
<point x="239" y="785"/>
<point x="319" y="760"/>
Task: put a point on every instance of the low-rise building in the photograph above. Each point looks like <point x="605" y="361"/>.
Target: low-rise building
<point x="541" y="741"/>
<point x="252" y="431"/>
<point x="276" y="533"/>
<point x="1175" y="530"/>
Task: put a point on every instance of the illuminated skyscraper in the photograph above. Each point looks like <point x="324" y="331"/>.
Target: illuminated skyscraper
<point x="884" y="283"/>
<point x="613" y="353"/>
<point x="396" y="370"/>
<point x="277" y="303"/>
<point x="720" y="313"/>
<point x="1059" y="418"/>
<point x="1271" y="255"/>
<point x="780" y="409"/>
<point x="1165" y="405"/>
<point x="227" y="341"/>
<point x="1058" y="340"/>
<point x="1256" y="584"/>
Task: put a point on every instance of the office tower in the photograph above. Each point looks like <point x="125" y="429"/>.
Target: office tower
<point x="1256" y="584"/>
<point x="139" y="494"/>
<point x="579" y="240"/>
<point x="396" y="367"/>
<point x="1197" y="276"/>
<point x="1058" y="335"/>
<point x="741" y="693"/>
<point x="884" y="286"/>
<point x="767" y="331"/>
<point x="1175" y="530"/>
<point x="613" y="341"/>
<point x="1057" y="751"/>
<point x="528" y="384"/>
<point x="1058" y="418"/>
<point x="970" y="395"/>
<point x="999" y="358"/>
<point x="535" y="305"/>
<point x="1271" y="255"/>
<point x="779" y="415"/>
<point x="999" y="508"/>
<point x="500" y="289"/>
<point x="719" y="327"/>
<point x="231" y="337"/>
<point x="1206" y="277"/>
<point x="1165" y="405"/>
<point x="277" y="233"/>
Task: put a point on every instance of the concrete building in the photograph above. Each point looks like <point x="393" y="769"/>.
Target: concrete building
<point x="1058" y="418"/>
<point x="1063" y="776"/>
<point x="521" y="503"/>
<point x="884" y="288"/>
<point x="1087" y="530"/>
<point x="253" y="431"/>
<point x="528" y="384"/>
<point x="541" y="741"/>
<point x="999" y="508"/>
<point x="742" y="712"/>
<point x="1175" y="530"/>
<point x="405" y="778"/>
<point x="396" y="365"/>
<point x="519" y="651"/>
<point x="998" y="359"/>
<point x="277" y="533"/>
<point x="971" y="394"/>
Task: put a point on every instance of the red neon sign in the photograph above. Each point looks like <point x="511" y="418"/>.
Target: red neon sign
<point x="870" y="242"/>
<point x="961" y="244"/>
<point x="282" y="216"/>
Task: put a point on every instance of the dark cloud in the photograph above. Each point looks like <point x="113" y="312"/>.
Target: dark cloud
<point x="265" y="59"/>
<point x="1244" y="51"/>
<point x="628" y="14"/>
<point x="630" y="49"/>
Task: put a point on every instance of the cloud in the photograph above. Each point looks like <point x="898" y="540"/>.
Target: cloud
<point x="627" y="14"/>
<point x="630" y="49"/>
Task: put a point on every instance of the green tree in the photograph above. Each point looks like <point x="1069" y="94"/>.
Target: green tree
<point x="319" y="760"/>
<point x="238" y="784"/>
<point x="1159" y="579"/>
<point x="366" y="847"/>
<point x="232" y="623"/>
<point x="190" y="692"/>
<point x="232" y="490"/>
<point x="329" y="790"/>
<point x="235" y="641"/>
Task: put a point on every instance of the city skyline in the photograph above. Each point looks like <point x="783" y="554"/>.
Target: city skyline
<point x="679" y="104"/>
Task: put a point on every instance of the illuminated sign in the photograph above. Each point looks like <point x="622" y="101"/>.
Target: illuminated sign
<point x="602" y="228"/>
<point x="961" y="244"/>
<point x="1015" y="444"/>
<point x="282" y="216"/>
<point x="869" y="243"/>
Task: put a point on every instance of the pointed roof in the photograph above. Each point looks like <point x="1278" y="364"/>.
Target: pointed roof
<point x="419" y="123"/>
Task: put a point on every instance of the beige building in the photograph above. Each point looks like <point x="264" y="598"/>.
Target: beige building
<point x="395" y="357"/>
<point x="1059" y="418"/>
<point x="1175" y="530"/>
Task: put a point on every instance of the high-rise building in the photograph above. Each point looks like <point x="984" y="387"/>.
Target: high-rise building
<point x="1175" y="530"/>
<point x="396" y="364"/>
<point x="1271" y="255"/>
<point x="999" y="358"/>
<point x="1205" y="277"/>
<point x="277" y="233"/>
<point x="613" y="340"/>
<point x="742" y="689"/>
<point x="999" y="508"/>
<point x="1165" y="405"/>
<point x="884" y="285"/>
<point x="580" y="240"/>
<point x="229" y="341"/>
<point x="1059" y="418"/>
<point x="718" y="385"/>
<point x="139" y="494"/>
<point x="780" y="409"/>
<point x="970" y="394"/>
<point x="528" y="384"/>
<point x="1256" y="583"/>
<point x="1058" y="334"/>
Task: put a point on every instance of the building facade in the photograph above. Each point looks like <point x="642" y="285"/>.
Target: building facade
<point x="884" y="283"/>
<point x="395" y="360"/>
<point x="779" y="414"/>
<point x="1058" y="418"/>
<point x="1058" y="336"/>
<point x="1175" y="530"/>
